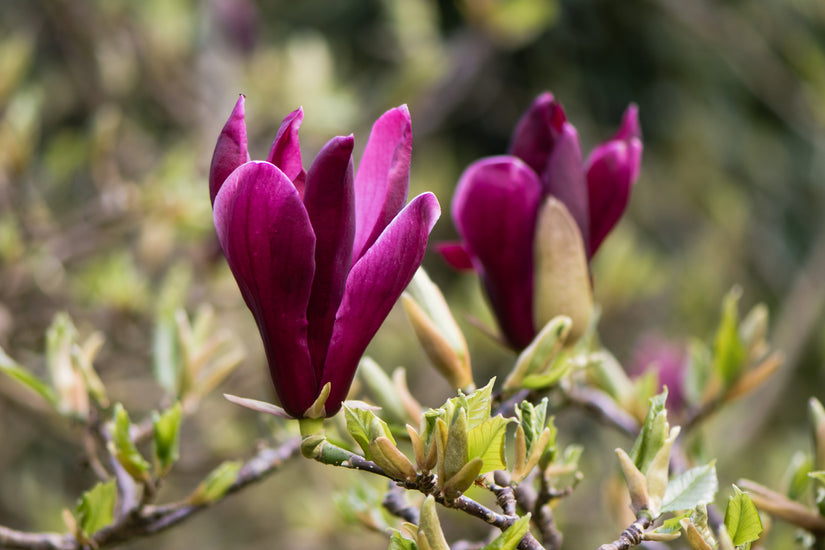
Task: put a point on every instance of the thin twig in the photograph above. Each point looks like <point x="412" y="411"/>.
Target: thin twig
<point x="143" y="521"/>
<point x="603" y="408"/>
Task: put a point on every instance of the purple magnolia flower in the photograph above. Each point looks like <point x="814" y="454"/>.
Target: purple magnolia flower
<point x="320" y="256"/>
<point x="670" y="363"/>
<point x="497" y="201"/>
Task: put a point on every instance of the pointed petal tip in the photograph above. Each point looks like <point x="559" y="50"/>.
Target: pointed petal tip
<point x="455" y="255"/>
<point x="630" y="127"/>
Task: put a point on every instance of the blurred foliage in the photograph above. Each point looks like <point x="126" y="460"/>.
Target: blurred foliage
<point x="108" y="114"/>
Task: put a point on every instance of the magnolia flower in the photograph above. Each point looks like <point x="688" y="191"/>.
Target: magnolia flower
<point x="670" y="363"/>
<point x="320" y="256"/>
<point x="499" y="200"/>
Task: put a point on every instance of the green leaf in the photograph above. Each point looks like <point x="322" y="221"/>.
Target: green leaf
<point x="166" y="353"/>
<point x="800" y="466"/>
<point x="382" y="389"/>
<point x="124" y="448"/>
<point x="166" y="437"/>
<point x="20" y="374"/>
<point x="95" y="509"/>
<point x="510" y="537"/>
<point x="364" y="426"/>
<point x="729" y="352"/>
<point x="742" y="519"/>
<point x="653" y="433"/>
<point x="216" y="484"/>
<point x="478" y="405"/>
<point x="532" y="419"/>
<point x="487" y="441"/>
<point x="694" y="487"/>
<point x="398" y="542"/>
<point x="539" y="358"/>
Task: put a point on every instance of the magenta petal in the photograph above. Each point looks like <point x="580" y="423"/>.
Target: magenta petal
<point x="383" y="177"/>
<point x="494" y="209"/>
<point x="455" y="255"/>
<point x="612" y="170"/>
<point x="630" y="124"/>
<point x="230" y="150"/>
<point x="563" y="177"/>
<point x="267" y="239"/>
<point x="373" y="286"/>
<point x="536" y="133"/>
<point x="285" y="152"/>
<point x="330" y="202"/>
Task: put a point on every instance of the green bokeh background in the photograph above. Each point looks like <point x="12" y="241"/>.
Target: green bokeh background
<point x="109" y="110"/>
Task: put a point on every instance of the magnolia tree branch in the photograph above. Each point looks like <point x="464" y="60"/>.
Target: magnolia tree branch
<point x="630" y="537"/>
<point x="326" y="453"/>
<point x="600" y="405"/>
<point x="144" y="520"/>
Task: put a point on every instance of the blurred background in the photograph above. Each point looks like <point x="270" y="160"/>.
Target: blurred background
<point x="109" y="110"/>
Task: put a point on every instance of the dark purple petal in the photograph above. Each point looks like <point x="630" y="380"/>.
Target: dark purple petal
<point x="383" y="177"/>
<point x="537" y="131"/>
<point x="230" y="150"/>
<point x="285" y="152"/>
<point x="494" y="209"/>
<point x="268" y="241"/>
<point x="330" y="202"/>
<point x="612" y="169"/>
<point x="373" y="286"/>
<point x="455" y="255"/>
<point x="563" y="178"/>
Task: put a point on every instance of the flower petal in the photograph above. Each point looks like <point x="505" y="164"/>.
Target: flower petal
<point x="285" y="152"/>
<point x="455" y="255"/>
<point x="612" y="169"/>
<point x="267" y="239"/>
<point x="330" y="202"/>
<point x="373" y="286"/>
<point x="230" y="150"/>
<point x="383" y="177"/>
<point x="494" y="209"/>
<point x="536" y="133"/>
<point x="563" y="178"/>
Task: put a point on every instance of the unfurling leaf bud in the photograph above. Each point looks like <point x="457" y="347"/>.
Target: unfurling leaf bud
<point x="562" y="276"/>
<point x="816" y="416"/>
<point x="463" y="479"/>
<point x="425" y="458"/>
<point x="387" y="456"/>
<point x="636" y="483"/>
<point x="430" y="534"/>
<point x="537" y="359"/>
<point x="436" y="330"/>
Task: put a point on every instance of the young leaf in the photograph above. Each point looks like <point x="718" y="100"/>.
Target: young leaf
<point x="510" y="537"/>
<point x="742" y="519"/>
<point x="166" y="437"/>
<point x="729" y="352"/>
<point x="487" y="442"/>
<point x="692" y="488"/>
<point x="124" y="448"/>
<point x="12" y="369"/>
<point x="95" y="509"/>
<point x="479" y="404"/>
<point x="653" y="434"/>
<point x="364" y="426"/>
<point x="216" y="484"/>
<point x="398" y="542"/>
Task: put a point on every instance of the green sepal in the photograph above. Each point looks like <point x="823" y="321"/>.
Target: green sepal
<point x="742" y="520"/>
<point x="95" y="509"/>
<point x="216" y="484"/>
<point x="166" y="436"/>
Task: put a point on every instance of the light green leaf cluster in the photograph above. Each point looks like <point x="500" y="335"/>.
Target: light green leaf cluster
<point x="216" y="484"/>
<point x="95" y="509"/>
